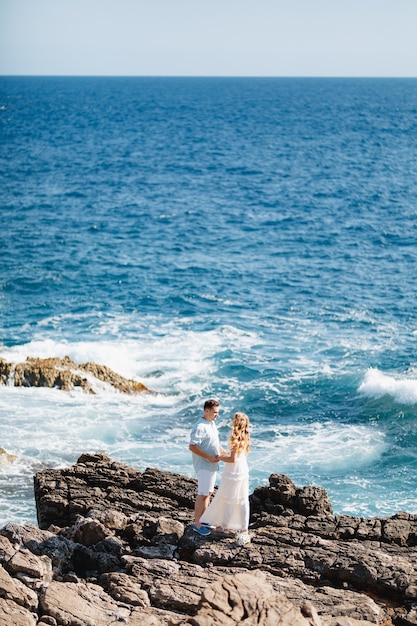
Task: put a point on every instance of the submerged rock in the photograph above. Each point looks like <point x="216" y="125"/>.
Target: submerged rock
<point x="66" y="375"/>
<point x="6" y="457"/>
<point x="115" y="544"/>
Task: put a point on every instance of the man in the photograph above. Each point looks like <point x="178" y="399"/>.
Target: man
<point x="205" y="446"/>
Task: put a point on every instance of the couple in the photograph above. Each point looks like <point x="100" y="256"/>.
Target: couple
<point x="229" y="509"/>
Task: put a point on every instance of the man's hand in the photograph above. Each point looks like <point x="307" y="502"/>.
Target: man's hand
<point x="211" y="458"/>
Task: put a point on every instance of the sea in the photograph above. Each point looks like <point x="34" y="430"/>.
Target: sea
<point x="248" y="239"/>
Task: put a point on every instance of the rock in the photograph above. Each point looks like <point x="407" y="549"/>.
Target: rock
<point x="99" y="484"/>
<point x="105" y="374"/>
<point x="313" y="501"/>
<point x="396" y="530"/>
<point x="284" y="488"/>
<point x="115" y="545"/>
<point x="82" y="603"/>
<point x="22" y="535"/>
<point x="59" y="549"/>
<point x="24" y="562"/>
<point x="248" y="599"/>
<point x="110" y="518"/>
<point x="124" y="588"/>
<point x="11" y="614"/>
<point x="66" y="375"/>
<point x="330" y="601"/>
<point x="13" y="589"/>
<point x="89" y="531"/>
<point x="6" y="370"/>
<point x="283" y="493"/>
<point x="6" y="457"/>
<point x="7" y="549"/>
<point x="104" y="556"/>
<point x="171" y="584"/>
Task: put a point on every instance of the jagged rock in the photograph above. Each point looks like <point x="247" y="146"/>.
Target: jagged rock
<point x="153" y="617"/>
<point x="59" y="549"/>
<point x="7" y="549"/>
<point x="174" y="585"/>
<point x="330" y="601"/>
<point x="124" y="588"/>
<point x="104" y="373"/>
<point x="66" y="375"/>
<point x="97" y="483"/>
<point x="284" y="486"/>
<point x="25" y="563"/>
<point x="313" y="501"/>
<point x="89" y="531"/>
<point x="11" y="614"/>
<point x="111" y="519"/>
<point x="83" y="603"/>
<point x="13" y="589"/>
<point x="116" y="543"/>
<point x="6" y="370"/>
<point x="250" y="600"/>
<point x="397" y="529"/>
<point x="6" y="457"/>
<point x="282" y="493"/>
<point x="24" y="534"/>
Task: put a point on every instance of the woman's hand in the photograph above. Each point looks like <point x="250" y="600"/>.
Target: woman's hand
<point x="228" y="458"/>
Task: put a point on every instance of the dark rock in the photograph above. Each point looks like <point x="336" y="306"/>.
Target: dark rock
<point x="115" y="544"/>
<point x="283" y="487"/>
<point x="97" y="483"/>
<point x="313" y="501"/>
<point x="282" y="494"/>
<point x="89" y="531"/>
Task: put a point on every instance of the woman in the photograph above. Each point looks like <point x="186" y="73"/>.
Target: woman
<point x="229" y="509"/>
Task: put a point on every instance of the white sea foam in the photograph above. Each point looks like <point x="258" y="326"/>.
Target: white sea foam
<point x="168" y="359"/>
<point x="318" y="447"/>
<point x="47" y="427"/>
<point x="376" y="384"/>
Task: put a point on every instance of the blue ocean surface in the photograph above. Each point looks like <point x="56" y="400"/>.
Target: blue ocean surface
<point x="251" y="239"/>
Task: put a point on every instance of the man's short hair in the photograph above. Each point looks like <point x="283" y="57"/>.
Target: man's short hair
<point x="210" y="404"/>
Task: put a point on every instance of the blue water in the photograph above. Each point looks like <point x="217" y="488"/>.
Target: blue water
<point x="248" y="239"/>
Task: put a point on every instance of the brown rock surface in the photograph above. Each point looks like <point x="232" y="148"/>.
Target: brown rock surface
<point x="81" y="603"/>
<point x="64" y="374"/>
<point x="6" y="457"/>
<point x="115" y="545"/>
<point x="11" y="614"/>
<point x="231" y="600"/>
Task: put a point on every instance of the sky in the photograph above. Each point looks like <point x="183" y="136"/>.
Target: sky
<point x="209" y="37"/>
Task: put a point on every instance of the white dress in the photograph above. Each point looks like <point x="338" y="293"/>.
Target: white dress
<point x="230" y="506"/>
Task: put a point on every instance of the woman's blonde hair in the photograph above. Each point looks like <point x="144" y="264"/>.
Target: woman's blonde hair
<point x="240" y="437"/>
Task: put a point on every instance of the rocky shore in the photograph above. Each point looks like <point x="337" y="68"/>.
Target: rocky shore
<point x="115" y="546"/>
<point x="66" y="375"/>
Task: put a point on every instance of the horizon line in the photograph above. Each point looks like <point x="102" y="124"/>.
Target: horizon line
<point x="228" y="76"/>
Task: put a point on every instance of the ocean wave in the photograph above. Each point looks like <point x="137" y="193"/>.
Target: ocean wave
<point x="318" y="447"/>
<point x="166" y="357"/>
<point x="376" y="384"/>
<point x="273" y="292"/>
